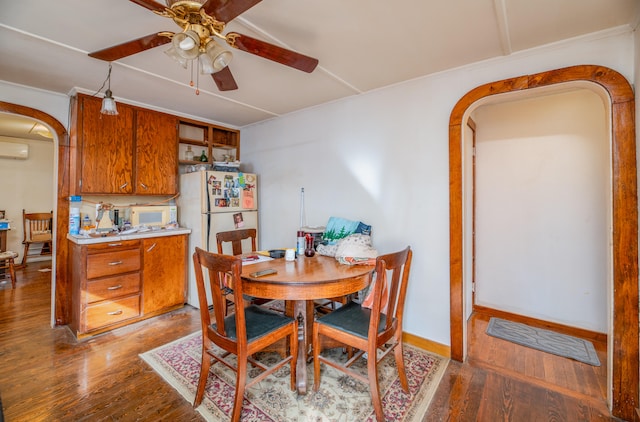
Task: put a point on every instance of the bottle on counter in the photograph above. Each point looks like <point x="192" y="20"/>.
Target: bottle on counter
<point x="300" y="243"/>
<point x="74" y="214"/>
<point x="203" y="157"/>
<point x="188" y="155"/>
<point x="86" y="222"/>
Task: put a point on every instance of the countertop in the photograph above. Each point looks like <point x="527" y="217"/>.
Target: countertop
<point x="88" y="240"/>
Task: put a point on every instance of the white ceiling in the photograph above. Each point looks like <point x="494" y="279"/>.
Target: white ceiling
<point x="362" y="45"/>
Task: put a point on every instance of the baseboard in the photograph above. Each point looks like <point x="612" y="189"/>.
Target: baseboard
<point x="428" y="345"/>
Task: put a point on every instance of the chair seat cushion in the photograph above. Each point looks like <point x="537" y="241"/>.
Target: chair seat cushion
<point x="41" y="236"/>
<point x="8" y="255"/>
<point x="352" y="318"/>
<point x="260" y="321"/>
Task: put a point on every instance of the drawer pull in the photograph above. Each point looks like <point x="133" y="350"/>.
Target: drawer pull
<point x="115" y="263"/>
<point x="115" y="244"/>
<point x="118" y="312"/>
<point x="145" y="187"/>
<point x="119" y="286"/>
<point x="124" y="185"/>
<point x="151" y="247"/>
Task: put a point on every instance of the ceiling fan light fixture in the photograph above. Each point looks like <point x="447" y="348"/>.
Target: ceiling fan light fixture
<point x="215" y="58"/>
<point x="173" y="53"/>
<point x="186" y="44"/>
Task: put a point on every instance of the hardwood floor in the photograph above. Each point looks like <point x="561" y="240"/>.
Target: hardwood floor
<point x="46" y="375"/>
<point x="502" y="381"/>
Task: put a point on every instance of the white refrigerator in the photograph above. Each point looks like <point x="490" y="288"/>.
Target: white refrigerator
<point x="212" y="202"/>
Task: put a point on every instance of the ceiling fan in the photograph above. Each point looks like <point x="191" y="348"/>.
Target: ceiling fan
<point x="202" y="23"/>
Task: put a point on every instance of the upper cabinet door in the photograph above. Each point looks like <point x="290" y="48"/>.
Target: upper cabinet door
<point x="156" y="153"/>
<point x="106" y="149"/>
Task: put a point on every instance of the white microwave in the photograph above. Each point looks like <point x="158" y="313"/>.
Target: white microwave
<point x="153" y="215"/>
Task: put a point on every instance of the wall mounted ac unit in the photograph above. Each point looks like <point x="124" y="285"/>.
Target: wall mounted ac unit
<point x="14" y="150"/>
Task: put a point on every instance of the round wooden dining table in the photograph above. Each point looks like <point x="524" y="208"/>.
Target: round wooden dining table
<point x="302" y="281"/>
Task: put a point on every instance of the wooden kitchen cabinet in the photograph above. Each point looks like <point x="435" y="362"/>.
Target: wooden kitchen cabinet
<point x="131" y="153"/>
<point x="106" y="283"/>
<point x="156" y="157"/>
<point x="104" y="156"/>
<point x="216" y="141"/>
<point x="124" y="281"/>
<point x="164" y="273"/>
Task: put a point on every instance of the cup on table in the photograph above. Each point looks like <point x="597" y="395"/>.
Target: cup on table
<point x="290" y="255"/>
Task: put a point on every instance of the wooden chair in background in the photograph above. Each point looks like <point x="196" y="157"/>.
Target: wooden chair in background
<point x="248" y="331"/>
<point x="235" y="237"/>
<point x="7" y="264"/>
<point x="37" y="229"/>
<point x="369" y="329"/>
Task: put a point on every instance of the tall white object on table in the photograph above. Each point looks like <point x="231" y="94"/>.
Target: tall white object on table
<point x="212" y="202"/>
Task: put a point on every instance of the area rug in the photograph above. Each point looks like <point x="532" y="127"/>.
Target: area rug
<point x="544" y="340"/>
<point x="340" y="398"/>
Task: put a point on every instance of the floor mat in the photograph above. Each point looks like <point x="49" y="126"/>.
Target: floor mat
<point x="544" y="340"/>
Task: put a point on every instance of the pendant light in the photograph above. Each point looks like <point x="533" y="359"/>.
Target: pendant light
<point x="108" y="103"/>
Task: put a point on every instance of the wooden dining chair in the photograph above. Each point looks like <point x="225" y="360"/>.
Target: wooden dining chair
<point x="235" y="237"/>
<point x="7" y="263"/>
<point x="36" y="228"/>
<point x="248" y="331"/>
<point x="369" y="329"/>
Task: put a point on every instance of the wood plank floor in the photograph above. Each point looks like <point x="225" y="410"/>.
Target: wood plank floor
<point x="46" y="375"/>
<point x="502" y="381"/>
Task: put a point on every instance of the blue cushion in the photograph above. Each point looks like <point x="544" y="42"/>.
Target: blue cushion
<point x="353" y="319"/>
<point x="260" y="321"/>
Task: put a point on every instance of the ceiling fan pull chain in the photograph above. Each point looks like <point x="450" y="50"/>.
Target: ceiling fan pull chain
<point x="191" y="81"/>
<point x="197" y="74"/>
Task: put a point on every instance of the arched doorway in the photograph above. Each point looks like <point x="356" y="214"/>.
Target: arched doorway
<point x="624" y="337"/>
<point x="61" y="286"/>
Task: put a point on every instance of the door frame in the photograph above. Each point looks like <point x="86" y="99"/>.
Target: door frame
<point x="624" y="249"/>
<point x="61" y="293"/>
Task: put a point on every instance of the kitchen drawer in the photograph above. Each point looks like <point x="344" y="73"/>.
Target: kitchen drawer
<point x="111" y="287"/>
<point x="117" y="245"/>
<point x="110" y="312"/>
<point x="104" y="264"/>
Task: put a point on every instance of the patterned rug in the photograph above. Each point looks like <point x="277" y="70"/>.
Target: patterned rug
<point x="544" y="340"/>
<point x="340" y="398"/>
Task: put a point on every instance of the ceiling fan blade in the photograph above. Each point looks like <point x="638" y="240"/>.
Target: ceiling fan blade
<point x="224" y="80"/>
<point x="272" y="52"/>
<point x="130" y="47"/>
<point x="150" y="4"/>
<point x="226" y="10"/>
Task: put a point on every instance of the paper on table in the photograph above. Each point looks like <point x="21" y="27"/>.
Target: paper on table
<point x="260" y="258"/>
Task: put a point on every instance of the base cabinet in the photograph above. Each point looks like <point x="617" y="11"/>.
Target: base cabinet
<point x="165" y="264"/>
<point x="121" y="282"/>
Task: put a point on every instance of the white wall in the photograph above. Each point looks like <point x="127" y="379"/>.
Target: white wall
<point x="542" y="208"/>
<point x="382" y="157"/>
<point x="26" y="185"/>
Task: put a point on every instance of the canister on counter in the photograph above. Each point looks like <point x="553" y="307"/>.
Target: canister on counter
<point x="301" y="243"/>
